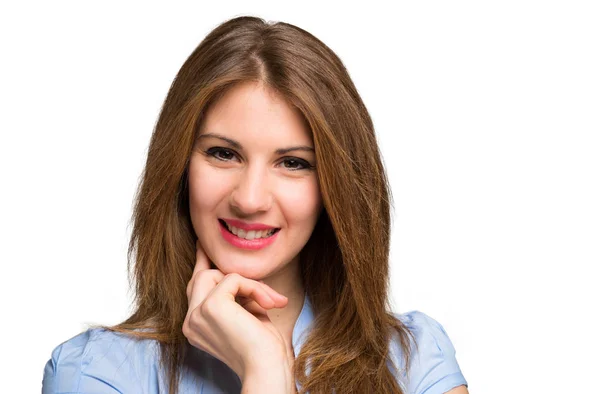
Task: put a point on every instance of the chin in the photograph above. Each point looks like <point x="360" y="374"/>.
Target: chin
<point x="245" y="269"/>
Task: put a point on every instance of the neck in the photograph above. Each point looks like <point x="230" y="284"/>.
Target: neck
<point x="287" y="282"/>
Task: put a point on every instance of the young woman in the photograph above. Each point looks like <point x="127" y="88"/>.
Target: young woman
<point x="260" y="240"/>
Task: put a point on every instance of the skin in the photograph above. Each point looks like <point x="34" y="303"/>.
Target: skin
<point x="260" y="291"/>
<point x="458" y="390"/>
<point x="238" y="333"/>
<point x="243" y="303"/>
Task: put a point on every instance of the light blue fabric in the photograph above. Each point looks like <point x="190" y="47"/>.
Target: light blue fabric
<point x="102" y="362"/>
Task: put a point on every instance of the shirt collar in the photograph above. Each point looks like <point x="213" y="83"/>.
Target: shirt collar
<point x="302" y="326"/>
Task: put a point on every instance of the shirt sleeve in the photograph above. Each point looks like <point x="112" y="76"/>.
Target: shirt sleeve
<point x="95" y="362"/>
<point x="434" y="368"/>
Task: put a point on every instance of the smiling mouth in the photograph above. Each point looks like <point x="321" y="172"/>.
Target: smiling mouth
<point x="248" y="235"/>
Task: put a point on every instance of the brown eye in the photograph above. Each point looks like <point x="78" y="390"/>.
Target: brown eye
<point x="295" y="164"/>
<point x="222" y="154"/>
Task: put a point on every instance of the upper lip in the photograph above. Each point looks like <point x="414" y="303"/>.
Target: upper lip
<point x="248" y="226"/>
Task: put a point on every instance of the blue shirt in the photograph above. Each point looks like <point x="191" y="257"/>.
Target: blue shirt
<point x="99" y="361"/>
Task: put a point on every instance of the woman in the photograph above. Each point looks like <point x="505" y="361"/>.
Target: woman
<point x="260" y="240"/>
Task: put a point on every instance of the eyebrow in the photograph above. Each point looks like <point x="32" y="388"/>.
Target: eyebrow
<point x="237" y="145"/>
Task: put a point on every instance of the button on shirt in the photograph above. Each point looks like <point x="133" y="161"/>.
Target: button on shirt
<point x="99" y="361"/>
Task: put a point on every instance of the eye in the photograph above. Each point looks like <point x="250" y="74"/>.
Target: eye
<point x="295" y="164"/>
<point x="219" y="153"/>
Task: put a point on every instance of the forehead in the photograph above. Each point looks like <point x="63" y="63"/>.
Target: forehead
<point x="252" y="111"/>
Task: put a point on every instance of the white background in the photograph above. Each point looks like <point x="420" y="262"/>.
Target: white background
<point x="488" y="115"/>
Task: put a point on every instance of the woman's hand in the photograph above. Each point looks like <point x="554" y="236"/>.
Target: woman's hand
<point x="227" y="317"/>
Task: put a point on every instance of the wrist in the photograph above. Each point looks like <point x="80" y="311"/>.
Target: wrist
<point x="269" y="378"/>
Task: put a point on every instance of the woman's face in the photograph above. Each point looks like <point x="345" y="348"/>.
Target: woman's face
<point x="252" y="168"/>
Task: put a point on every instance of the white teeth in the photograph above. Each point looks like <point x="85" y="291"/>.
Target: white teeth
<point x="250" y="235"/>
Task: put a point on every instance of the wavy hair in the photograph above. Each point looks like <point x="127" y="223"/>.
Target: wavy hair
<point x="344" y="264"/>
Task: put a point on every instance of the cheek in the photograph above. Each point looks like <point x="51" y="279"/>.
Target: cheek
<point x="206" y="189"/>
<point x="301" y="202"/>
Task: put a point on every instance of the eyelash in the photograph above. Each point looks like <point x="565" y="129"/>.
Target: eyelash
<point x="214" y="151"/>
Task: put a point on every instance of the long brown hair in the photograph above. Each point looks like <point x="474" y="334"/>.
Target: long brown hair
<point x="344" y="264"/>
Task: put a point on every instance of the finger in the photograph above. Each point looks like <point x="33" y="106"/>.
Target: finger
<point x="272" y="293"/>
<point x="202" y="261"/>
<point x="257" y="310"/>
<point x="202" y="285"/>
<point x="236" y="285"/>
<point x="243" y="300"/>
<point x="207" y="284"/>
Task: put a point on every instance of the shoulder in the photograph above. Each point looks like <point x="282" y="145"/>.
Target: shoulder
<point x="102" y="361"/>
<point x="99" y="360"/>
<point x="433" y="366"/>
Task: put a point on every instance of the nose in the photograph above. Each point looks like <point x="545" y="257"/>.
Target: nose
<point x="252" y="192"/>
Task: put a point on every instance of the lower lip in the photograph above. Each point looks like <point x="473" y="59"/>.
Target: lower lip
<point x="252" y="244"/>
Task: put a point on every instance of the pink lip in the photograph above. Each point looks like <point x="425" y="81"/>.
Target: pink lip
<point x="248" y="226"/>
<point x="242" y="243"/>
